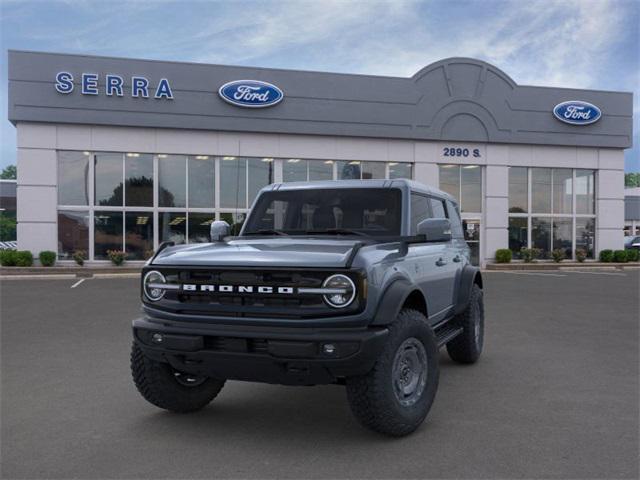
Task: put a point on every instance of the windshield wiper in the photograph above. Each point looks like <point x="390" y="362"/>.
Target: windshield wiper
<point x="267" y="231"/>
<point x="337" y="231"/>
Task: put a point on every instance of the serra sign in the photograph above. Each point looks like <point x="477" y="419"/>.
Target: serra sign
<point x="250" y="93"/>
<point x="113" y="85"/>
<point x="577" y="112"/>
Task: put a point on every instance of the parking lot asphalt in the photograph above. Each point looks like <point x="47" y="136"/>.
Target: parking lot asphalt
<point x="555" y="395"/>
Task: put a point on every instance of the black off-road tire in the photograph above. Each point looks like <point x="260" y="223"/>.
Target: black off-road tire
<point x="373" y="398"/>
<point x="156" y="382"/>
<point x="467" y="347"/>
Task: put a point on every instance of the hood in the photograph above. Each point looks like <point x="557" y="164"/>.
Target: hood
<point x="261" y="252"/>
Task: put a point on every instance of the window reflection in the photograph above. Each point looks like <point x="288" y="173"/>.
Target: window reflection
<point x="585" y="235"/>
<point x="562" y="235"/>
<point x="320" y="170"/>
<point x="541" y="235"/>
<point x="172" y="227"/>
<point x="562" y="190"/>
<point x="200" y="226"/>
<point x="73" y="233"/>
<point x="349" y="170"/>
<point x="139" y="235"/>
<point x="73" y="178"/>
<point x="108" y="179"/>
<point x="399" y="170"/>
<point x="202" y="178"/>
<point x="260" y="175"/>
<point x="107" y="232"/>
<point x="172" y="188"/>
<point x="373" y="170"/>
<point x="517" y="235"/>
<point x="138" y="172"/>
<point x="541" y="190"/>
<point x="585" y="191"/>
<point x="233" y="182"/>
<point x="471" y="188"/>
<point x="518" y="190"/>
<point x="450" y="180"/>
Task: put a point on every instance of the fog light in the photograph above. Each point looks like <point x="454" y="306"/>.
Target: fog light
<point x="329" y="348"/>
<point x="156" y="338"/>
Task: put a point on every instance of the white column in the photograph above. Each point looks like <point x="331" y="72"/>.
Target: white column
<point x="37" y="188"/>
<point x="610" y="200"/>
<point x="495" y="211"/>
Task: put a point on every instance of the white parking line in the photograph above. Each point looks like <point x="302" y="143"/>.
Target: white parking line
<point x="598" y="273"/>
<point x="533" y="273"/>
<point x="78" y="283"/>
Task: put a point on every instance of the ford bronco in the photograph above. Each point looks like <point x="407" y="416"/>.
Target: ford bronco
<point x="357" y="283"/>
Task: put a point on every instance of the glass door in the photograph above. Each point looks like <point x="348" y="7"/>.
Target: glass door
<point x="471" y="227"/>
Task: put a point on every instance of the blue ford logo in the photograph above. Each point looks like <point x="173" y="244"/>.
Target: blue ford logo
<point x="576" y="112"/>
<point x="250" y="93"/>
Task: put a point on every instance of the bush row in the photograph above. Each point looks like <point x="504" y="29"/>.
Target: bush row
<point x="24" y="258"/>
<point x="620" y="256"/>
<point x="504" y="255"/>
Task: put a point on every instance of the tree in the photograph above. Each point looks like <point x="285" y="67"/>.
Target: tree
<point x="632" y="180"/>
<point x="9" y="173"/>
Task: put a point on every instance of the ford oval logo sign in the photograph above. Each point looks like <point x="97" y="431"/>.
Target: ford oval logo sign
<point x="251" y="93"/>
<point x="577" y="112"/>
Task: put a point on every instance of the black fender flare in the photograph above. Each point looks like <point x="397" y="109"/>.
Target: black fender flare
<point x="468" y="277"/>
<point x="392" y="300"/>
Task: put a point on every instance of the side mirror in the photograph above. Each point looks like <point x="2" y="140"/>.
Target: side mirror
<point x="435" y="229"/>
<point x="219" y="230"/>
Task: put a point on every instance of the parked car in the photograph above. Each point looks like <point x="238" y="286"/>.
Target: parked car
<point x="632" y="241"/>
<point x="357" y="283"/>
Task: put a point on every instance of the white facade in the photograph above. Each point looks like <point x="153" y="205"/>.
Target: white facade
<point x="37" y="192"/>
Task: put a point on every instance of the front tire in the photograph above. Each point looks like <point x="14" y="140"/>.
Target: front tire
<point x="396" y="395"/>
<point x="467" y="347"/>
<point x="169" y="389"/>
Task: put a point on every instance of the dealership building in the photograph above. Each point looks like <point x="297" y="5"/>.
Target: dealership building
<point x="124" y="154"/>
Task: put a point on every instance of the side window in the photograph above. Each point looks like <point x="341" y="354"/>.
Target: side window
<point x="437" y="205"/>
<point x="419" y="210"/>
<point x="454" y="217"/>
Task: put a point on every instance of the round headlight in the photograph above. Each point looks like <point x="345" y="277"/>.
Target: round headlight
<point x="342" y="293"/>
<point x="151" y="283"/>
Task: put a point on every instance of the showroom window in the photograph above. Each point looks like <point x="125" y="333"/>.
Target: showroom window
<point x="464" y="183"/>
<point x="551" y="208"/>
<point x="134" y="201"/>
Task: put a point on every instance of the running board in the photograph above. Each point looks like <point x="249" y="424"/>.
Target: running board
<point x="447" y="333"/>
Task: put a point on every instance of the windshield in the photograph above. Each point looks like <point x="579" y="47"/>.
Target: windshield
<point x="340" y="211"/>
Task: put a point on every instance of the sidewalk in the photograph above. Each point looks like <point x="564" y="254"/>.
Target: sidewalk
<point x="540" y="265"/>
<point x="87" y="271"/>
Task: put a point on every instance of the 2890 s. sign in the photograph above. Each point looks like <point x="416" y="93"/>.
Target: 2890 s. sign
<point x="577" y="112"/>
<point x="250" y="93"/>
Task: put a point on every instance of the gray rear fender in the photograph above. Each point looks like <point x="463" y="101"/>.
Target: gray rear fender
<point x="470" y="275"/>
<point x="399" y="292"/>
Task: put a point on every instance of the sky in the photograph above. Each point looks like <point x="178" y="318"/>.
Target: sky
<point x="566" y="43"/>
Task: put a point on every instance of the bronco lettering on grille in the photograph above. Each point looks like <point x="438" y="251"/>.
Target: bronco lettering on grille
<point x="192" y="287"/>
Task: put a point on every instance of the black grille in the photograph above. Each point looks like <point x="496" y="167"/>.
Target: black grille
<point x="255" y="305"/>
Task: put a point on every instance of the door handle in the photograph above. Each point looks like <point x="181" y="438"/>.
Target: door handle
<point x="441" y="262"/>
<point x="457" y="259"/>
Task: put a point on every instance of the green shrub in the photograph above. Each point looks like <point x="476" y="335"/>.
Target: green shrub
<point x="606" y="255"/>
<point x="620" y="256"/>
<point x="581" y="254"/>
<point x="47" y="258"/>
<point x="24" y="258"/>
<point x="503" y="255"/>
<point x="80" y="256"/>
<point x="8" y="258"/>
<point x="526" y="254"/>
<point x="633" y="255"/>
<point x="117" y="257"/>
<point x="558" y="255"/>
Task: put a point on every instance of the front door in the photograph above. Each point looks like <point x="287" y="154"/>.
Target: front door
<point x="471" y="227"/>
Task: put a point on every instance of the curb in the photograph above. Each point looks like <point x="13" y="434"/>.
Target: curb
<point x="79" y="272"/>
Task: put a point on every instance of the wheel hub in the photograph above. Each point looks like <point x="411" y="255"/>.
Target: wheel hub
<point x="188" y="379"/>
<point x="409" y="371"/>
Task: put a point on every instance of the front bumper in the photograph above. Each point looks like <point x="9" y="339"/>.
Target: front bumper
<point x="283" y="355"/>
